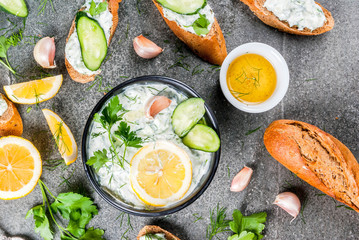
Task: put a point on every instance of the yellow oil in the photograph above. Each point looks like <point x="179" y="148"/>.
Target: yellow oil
<point x="251" y="78"/>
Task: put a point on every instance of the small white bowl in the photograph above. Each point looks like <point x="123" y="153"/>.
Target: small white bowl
<point x="277" y="61"/>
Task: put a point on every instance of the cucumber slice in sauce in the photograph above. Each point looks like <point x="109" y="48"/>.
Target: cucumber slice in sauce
<point x="92" y="40"/>
<point x="187" y="114"/>
<point x="202" y="137"/>
<point x="15" y="7"/>
<point x="187" y="7"/>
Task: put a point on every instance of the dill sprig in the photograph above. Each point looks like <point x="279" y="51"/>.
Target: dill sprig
<point x="180" y="63"/>
<point x="197" y="217"/>
<point x="197" y="70"/>
<point x="101" y="87"/>
<point x="42" y="6"/>
<point x="53" y="164"/>
<point x="218" y="222"/>
<point x="59" y="138"/>
<point x="253" y="131"/>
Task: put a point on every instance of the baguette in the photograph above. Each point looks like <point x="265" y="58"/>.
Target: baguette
<point x="316" y="157"/>
<point x="211" y="48"/>
<point x="10" y="120"/>
<point x="266" y="16"/>
<point x="152" y="229"/>
<point x="83" y="78"/>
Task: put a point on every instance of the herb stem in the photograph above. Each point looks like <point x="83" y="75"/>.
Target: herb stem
<point x="113" y="146"/>
<point x="7" y="66"/>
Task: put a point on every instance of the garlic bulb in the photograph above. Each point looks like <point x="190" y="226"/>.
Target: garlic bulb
<point x="44" y="52"/>
<point x="241" y="180"/>
<point x="145" y="48"/>
<point x="289" y="202"/>
<point x="155" y="105"/>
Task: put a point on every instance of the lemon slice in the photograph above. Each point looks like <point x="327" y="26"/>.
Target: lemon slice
<point x="64" y="139"/>
<point x="20" y="167"/>
<point x="161" y="173"/>
<point x="34" y="92"/>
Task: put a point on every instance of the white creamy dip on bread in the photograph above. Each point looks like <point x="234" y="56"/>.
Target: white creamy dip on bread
<point x="157" y="236"/>
<point x="114" y="178"/>
<point x="73" y="49"/>
<point x="300" y="13"/>
<point x="3" y="106"/>
<point x="186" y="21"/>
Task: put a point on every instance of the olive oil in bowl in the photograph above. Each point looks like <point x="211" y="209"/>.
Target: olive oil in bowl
<point x="251" y="78"/>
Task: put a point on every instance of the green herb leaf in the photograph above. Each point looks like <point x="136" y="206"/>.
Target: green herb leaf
<point x="109" y="113"/>
<point x="98" y="160"/>
<point x="97" y="9"/>
<point x="243" y="236"/>
<point x="129" y="138"/>
<point x="92" y="234"/>
<point x="200" y="26"/>
<point x="42" y="224"/>
<point x="218" y="222"/>
<point x="252" y="223"/>
<point x="253" y="131"/>
<point x="79" y="210"/>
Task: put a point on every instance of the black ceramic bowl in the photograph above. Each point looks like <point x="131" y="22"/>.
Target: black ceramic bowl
<point x="117" y="202"/>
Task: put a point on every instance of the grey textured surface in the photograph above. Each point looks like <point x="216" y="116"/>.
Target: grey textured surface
<point x="330" y="102"/>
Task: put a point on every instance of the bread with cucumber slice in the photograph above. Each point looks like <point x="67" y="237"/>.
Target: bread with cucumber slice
<point x="301" y="17"/>
<point x="193" y="22"/>
<point x="155" y="232"/>
<point x="89" y="51"/>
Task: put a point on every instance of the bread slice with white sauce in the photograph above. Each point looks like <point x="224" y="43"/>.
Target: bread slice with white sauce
<point x="153" y="229"/>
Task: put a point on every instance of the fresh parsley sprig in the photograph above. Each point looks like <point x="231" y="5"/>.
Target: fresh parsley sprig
<point x="74" y="207"/>
<point x="128" y="137"/>
<point x="247" y="227"/>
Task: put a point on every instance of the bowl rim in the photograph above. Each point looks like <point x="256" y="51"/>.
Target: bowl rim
<point x="159" y="79"/>
<point x="279" y="64"/>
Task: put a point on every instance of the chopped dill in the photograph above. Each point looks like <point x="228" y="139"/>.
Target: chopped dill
<point x="37" y="98"/>
<point x="229" y="172"/>
<point x="311" y="79"/>
<point x="239" y="94"/>
<point x="134" y="99"/>
<point x="100" y="88"/>
<point x="253" y="131"/>
<point x="53" y="164"/>
<point x="42" y="6"/>
<point x="346" y="207"/>
<point x="138" y="7"/>
<point x="197" y="217"/>
<point x="28" y="109"/>
<point x="166" y="41"/>
<point x="59" y="138"/>
<point x="95" y="135"/>
<point x="196" y="70"/>
<point x="180" y="63"/>
<point x="215" y="68"/>
<point x="127" y="29"/>
<point x="305" y="201"/>
<point x="67" y="180"/>
<point x="218" y="222"/>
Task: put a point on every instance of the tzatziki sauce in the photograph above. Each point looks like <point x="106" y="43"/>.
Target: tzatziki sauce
<point x="73" y="49"/>
<point x="186" y="21"/>
<point x="157" y="236"/>
<point x="115" y="179"/>
<point x="3" y="106"/>
<point x="300" y="13"/>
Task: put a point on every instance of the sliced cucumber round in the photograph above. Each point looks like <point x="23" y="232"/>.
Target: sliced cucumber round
<point x="202" y="137"/>
<point x="187" y="114"/>
<point x="15" y="7"/>
<point x="92" y="41"/>
<point x="187" y="7"/>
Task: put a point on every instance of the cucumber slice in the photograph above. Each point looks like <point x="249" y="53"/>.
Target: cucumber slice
<point x="15" y="7"/>
<point x="186" y="7"/>
<point x="202" y="137"/>
<point x="92" y="41"/>
<point x="186" y="115"/>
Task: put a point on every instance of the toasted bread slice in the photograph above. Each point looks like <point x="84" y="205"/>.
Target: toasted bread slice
<point x="316" y="157"/>
<point x="10" y="121"/>
<point x="152" y="229"/>
<point x="211" y="48"/>
<point x="272" y="20"/>
<point x="83" y="78"/>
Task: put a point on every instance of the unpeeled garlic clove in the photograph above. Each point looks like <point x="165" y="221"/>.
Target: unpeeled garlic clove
<point x="155" y="105"/>
<point x="145" y="48"/>
<point x="241" y="180"/>
<point x="289" y="202"/>
<point x="44" y="52"/>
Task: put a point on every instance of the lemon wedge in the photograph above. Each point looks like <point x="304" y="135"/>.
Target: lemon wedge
<point x="64" y="139"/>
<point x="20" y="167"/>
<point x="161" y="173"/>
<point x="34" y="92"/>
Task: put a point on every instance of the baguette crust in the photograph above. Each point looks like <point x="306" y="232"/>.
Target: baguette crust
<point x="316" y="157"/>
<point x="211" y="48"/>
<point x="83" y="78"/>
<point x="152" y="229"/>
<point x="10" y="121"/>
<point x="272" y="20"/>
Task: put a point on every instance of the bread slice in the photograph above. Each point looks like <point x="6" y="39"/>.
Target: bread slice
<point x="272" y="20"/>
<point x="83" y="78"/>
<point x="152" y="229"/>
<point x="211" y="48"/>
<point x="316" y="157"/>
<point x="10" y="121"/>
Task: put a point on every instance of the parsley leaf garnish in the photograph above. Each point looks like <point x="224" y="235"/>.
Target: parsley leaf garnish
<point x="200" y="26"/>
<point x="98" y="160"/>
<point x="247" y="227"/>
<point x="74" y="207"/>
<point x="97" y="9"/>
<point x="129" y="138"/>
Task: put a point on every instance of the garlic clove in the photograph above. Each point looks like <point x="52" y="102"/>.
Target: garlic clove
<point x="145" y="48"/>
<point x="44" y="52"/>
<point x="241" y="180"/>
<point x="289" y="202"/>
<point x="155" y="105"/>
